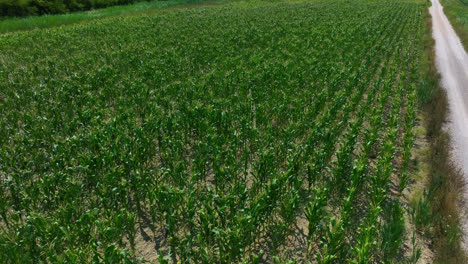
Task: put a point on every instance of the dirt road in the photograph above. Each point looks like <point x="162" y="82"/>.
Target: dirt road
<point x="452" y="64"/>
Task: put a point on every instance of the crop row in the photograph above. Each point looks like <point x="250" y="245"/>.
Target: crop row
<point x="246" y="132"/>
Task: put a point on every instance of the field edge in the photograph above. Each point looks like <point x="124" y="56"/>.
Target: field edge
<point x="438" y="213"/>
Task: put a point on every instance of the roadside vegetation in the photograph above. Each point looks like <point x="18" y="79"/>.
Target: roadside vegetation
<point x="437" y="208"/>
<point x="457" y="13"/>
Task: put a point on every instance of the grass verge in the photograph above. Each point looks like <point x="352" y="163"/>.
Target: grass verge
<point x="48" y="21"/>
<point x="437" y="215"/>
<point x="457" y="13"/>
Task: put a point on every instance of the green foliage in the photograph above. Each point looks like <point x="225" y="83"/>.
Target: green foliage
<point x="13" y="24"/>
<point x="42" y="7"/>
<point x="457" y="13"/>
<point x="220" y="132"/>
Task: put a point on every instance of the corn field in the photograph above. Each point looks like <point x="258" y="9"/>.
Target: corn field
<point x="250" y="132"/>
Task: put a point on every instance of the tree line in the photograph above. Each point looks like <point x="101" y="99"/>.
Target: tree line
<point x="42" y="7"/>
